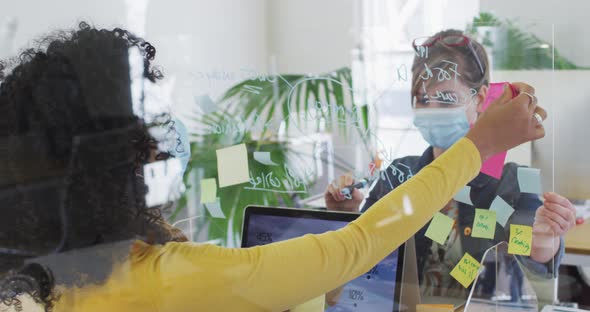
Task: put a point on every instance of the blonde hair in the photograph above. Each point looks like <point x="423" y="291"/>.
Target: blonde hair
<point x="440" y="54"/>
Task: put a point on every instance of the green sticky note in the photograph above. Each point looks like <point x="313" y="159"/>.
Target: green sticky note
<point x="439" y="228"/>
<point x="208" y="191"/>
<point x="484" y="224"/>
<point x="521" y="238"/>
<point x="466" y="270"/>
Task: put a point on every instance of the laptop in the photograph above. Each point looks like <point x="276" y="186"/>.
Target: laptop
<point x="376" y="291"/>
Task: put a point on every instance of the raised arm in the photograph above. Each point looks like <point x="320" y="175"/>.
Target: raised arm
<point x="278" y="276"/>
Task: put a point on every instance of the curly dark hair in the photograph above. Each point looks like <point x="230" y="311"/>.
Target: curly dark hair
<point x="73" y="150"/>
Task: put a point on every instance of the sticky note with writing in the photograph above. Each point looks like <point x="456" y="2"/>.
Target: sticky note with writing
<point x="208" y="191"/>
<point x="439" y="228"/>
<point x="503" y="210"/>
<point x="464" y="195"/>
<point x="484" y="224"/>
<point x="521" y="238"/>
<point x="466" y="270"/>
<point x="529" y="180"/>
<point x="232" y="165"/>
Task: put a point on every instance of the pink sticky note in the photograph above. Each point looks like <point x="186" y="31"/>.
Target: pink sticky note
<point x="493" y="166"/>
<point x="494" y="91"/>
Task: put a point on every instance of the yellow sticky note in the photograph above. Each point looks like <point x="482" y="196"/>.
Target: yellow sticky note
<point x="232" y="165"/>
<point x="208" y="191"/>
<point x="466" y="270"/>
<point x="439" y="228"/>
<point x="314" y="305"/>
<point x="521" y="238"/>
<point x="484" y="224"/>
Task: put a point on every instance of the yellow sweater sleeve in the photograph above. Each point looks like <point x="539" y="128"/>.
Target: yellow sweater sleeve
<point x="196" y="277"/>
<point x="278" y="276"/>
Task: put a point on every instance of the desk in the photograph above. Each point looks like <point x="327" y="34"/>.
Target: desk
<point x="577" y="245"/>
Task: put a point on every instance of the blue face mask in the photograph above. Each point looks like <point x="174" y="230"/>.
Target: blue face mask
<point x="441" y="127"/>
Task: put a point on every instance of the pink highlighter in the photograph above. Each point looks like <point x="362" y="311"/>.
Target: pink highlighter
<point x="493" y="166"/>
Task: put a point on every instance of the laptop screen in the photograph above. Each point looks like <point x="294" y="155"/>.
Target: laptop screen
<point x="372" y="291"/>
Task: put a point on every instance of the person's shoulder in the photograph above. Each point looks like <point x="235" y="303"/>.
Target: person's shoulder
<point x="407" y="162"/>
<point x="394" y="173"/>
<point x="510" y="170"/>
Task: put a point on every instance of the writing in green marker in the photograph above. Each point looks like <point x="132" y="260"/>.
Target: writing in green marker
<point x="521" y="237"/>
<point x="466" y="270"/>
<point x="484" y="224"/>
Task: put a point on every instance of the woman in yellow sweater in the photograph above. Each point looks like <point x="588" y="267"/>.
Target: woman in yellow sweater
<point x="73" y="184"/>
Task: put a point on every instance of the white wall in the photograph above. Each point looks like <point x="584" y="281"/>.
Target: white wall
<point x="199" y="36"/>
<point x="36" y="18"/>
<point x="204" y="45"/>
<point x="311" y="36"/>
<point x="570" y="19"/>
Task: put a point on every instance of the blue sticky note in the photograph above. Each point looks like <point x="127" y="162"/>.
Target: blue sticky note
<point x="529" y="180"/>
<point x="503" y="210"/>
<point x="464" y="195"/>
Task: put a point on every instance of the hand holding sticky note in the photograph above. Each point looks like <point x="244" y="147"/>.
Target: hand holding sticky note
<point x="484" y="224"/>
<point x="439" y="228"/>
<point x="493" y="165"/>
<point x="521" y="239"/>
<point x="466" y="270"/>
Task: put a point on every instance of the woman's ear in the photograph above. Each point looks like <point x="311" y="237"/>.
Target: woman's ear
<point x="481" y="97"/>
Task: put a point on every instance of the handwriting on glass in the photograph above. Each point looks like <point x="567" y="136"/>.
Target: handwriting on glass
<point x="402" y="174"/>
<point x="422" y="51"/>
<point x="268" y="181"/>
<point x="446" y="72"/>
<point x="242" y="74"/>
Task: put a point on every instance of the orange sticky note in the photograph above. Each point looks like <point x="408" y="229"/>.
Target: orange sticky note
<point x="521" y="239"/>
<point x="434" y="307"/>
<point x="466" y="270"/>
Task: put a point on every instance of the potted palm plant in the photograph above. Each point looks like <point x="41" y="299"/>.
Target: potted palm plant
<point x="266" y="113"/>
